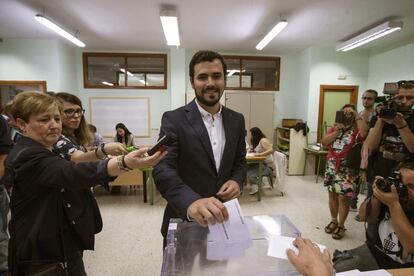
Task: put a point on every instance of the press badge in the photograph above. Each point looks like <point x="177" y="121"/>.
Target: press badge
<point x="338" y="145"/>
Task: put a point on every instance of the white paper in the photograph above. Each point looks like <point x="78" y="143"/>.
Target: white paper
<point x="234" y="230"/>
<point x="279" y="244"/>
<point x="379" y="272"/>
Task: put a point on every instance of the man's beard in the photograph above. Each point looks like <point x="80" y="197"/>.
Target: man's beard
<point x="205" y="102"/>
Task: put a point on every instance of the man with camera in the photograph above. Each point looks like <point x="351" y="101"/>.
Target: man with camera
<point x="391" y="137"/>
<point x="389" y="213"/>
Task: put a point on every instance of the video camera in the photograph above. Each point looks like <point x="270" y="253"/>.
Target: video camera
<point x="390" y="107"/>
<point x="394" y="179"/>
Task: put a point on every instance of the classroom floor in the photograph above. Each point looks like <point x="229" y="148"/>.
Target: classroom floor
<point x="131" y="244"/>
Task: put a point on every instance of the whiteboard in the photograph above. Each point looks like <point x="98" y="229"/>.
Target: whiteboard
<point x="105" y="113"/>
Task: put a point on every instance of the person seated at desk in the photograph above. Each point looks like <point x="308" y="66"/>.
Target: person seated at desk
<point x="261" y="146"/>
<point x="123" y="135"/>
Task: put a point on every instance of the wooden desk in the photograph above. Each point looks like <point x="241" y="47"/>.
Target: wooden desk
<point x="131" y="178"/>
<point x="402" y="271"/>
<point x="318" y="154"/>
<point x="257" y="160"/>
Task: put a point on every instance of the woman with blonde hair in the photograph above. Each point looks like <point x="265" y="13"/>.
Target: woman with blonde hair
<point x="54" y="216"/>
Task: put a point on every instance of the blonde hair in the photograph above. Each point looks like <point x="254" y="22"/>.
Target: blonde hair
<point x="29" y="103"/>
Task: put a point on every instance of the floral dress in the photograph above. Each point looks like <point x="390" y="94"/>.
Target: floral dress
<point x="339" y="178"/>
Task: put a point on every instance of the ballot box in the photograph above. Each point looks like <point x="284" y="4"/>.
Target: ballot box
<point x="191" y="251"/>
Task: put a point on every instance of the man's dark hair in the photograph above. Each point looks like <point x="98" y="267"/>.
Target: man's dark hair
<point x="372" y="91"/>
<point x="205" y="55"/>
<point x="408" y="166"/>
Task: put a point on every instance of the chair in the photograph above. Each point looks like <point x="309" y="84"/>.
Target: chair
<point x="281" y="162"/>
<point x="319" y="153"/>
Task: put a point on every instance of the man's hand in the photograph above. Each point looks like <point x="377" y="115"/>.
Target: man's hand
<point x="310" y="261"/>
<point x="207" y="211"/>
<point x="389" y="199"/>
<point x="229" y="190"/>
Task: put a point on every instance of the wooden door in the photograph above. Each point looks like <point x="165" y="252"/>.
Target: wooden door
<point x="331" y="99"/>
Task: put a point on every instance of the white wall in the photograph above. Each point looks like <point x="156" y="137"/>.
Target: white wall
<point x="38" y="60"/>
<point x="326" y="66"/>
<point x="391" y="65"/>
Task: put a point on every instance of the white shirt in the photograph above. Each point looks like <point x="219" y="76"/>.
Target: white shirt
<point x="215" y="129"/>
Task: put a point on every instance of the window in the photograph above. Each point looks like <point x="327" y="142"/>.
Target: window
<point x="119" y="70"/>
<point x="253" y="73"/>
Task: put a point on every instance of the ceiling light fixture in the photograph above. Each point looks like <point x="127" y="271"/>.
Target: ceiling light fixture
<point x="127" y="72"/>
<point x="46" y="22"/>
<point x="273" y="32"/>
<point x="169" y="23"/>
<point x="370" y="35"/>
<point x="108" y="83"/>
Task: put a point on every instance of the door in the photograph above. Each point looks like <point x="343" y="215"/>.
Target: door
<point x="331" y="99"/>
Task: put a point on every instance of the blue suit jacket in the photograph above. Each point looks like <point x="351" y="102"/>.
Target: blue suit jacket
<point x="188" y="172"/>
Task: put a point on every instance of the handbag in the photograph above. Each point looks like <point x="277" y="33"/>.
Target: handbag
<point x="54" y="269"/>
<point x="353" y="158"/>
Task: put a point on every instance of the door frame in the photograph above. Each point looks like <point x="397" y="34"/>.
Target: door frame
<point x="353" y="89"/>
<point x="41" y="84"/>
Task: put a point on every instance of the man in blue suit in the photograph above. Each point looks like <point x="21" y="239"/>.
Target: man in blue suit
<point x="206" y="165"/>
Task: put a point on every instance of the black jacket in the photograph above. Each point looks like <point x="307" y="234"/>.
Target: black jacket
<point x="43" y="184"/>
<point x="188" y="172"/>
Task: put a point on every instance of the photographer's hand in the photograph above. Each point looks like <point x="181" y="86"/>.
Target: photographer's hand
<point x="390" y="199"/>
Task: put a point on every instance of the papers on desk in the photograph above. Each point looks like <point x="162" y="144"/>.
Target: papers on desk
<point x="250" y="154"/>
<point x="230" y="238"/>
<point x="379" y="272"/>
<point x="279" y="244"/>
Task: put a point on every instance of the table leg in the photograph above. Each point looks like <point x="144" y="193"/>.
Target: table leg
<point x="259" y="181"/>
<point x="151" y="187"/>
<point x="304" y="165"/>
<point x="144" y="181"/>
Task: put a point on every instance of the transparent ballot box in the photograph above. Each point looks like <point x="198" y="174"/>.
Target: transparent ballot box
<point x="190" y="251"/>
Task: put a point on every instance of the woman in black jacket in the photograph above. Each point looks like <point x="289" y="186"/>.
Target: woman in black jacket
<point x="52" y="219"/>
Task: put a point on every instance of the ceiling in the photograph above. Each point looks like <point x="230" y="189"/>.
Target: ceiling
<point x="228" y="26"/>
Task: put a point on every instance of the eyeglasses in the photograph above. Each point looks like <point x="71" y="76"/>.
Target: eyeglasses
<point x="399" y="98"/>
<point x="406" y="84"/>
<point x="368" y="98"/>
<point x="71" y="112"/>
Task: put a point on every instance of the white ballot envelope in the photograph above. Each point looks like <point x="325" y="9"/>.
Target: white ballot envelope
<point x="232" y="231"/>
<point x="279" y="244"/>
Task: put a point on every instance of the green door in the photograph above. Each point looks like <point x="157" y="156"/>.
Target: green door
<point x="334" y="100"/>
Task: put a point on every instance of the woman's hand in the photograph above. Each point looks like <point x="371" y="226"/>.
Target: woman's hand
<point x="338" y="126"/>
<point x="114" y="148"/>
<point x="139" y="158"/>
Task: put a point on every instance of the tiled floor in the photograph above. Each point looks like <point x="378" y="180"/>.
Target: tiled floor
<point x="131" y="243"/>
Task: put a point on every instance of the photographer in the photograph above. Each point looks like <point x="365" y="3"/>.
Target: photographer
<point x="390" y="217"/>
<point x="391" y="137"/>
<point x="340" y="179"/>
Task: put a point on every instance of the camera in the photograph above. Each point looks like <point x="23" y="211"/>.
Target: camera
<point x="394" y="179"/>
<point x="341" y="118"/>
<point x="390" y="107"/>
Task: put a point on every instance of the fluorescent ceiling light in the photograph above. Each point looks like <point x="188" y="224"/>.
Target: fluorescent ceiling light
<point x="370" y="35"/>
<point x="108" y="83"/>
<point x="46" y="22"/>
<point x="273" y="32"/>
<point x="128" y="73"/>
<point x="231" y="72"/>
<point x="169" y="23"/>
